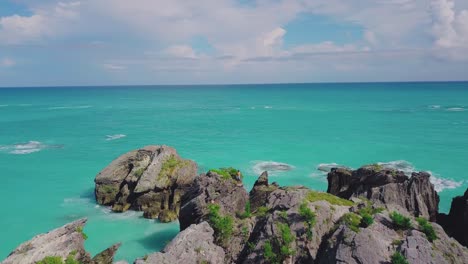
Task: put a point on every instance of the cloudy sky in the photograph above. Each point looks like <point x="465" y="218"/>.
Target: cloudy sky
<point x="106" y="42"/>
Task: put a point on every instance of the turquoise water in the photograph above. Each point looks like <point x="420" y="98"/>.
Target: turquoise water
<point x="53" y="141"/>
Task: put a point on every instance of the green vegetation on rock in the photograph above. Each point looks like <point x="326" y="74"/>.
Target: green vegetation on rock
<point x="139" y="172"/>
<point x="58" y="260"/>
<point x="283" y="243"/>
<point x="169" y="165"/>
<point x="247" y="211"/>
<point x="352" y="220"/>
<point x="401" y="222"/>
<point x="261" y="211"/>
<point x="314" y="196"/>
<point x="427" y="229"/>
<point x="375" y="166"/>
<point x="366" y="220"/>
<point x="80" y="230"/>
<point x="226" y="173"/>
<point x="398" y="258"/>
<point x="222" y="225"/>
<point x="309" y="217"/>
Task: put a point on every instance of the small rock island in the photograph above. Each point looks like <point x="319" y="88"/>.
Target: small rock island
<point x="370" y="215"/>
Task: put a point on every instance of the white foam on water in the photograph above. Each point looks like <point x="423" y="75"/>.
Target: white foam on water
<point x="456" y="109"/>
<point x="272" y="167"/>
<point x="434" y="107"/>
<point x="401" y="165"/>
<point x="27" y="147"/>
<point x="268" y="107"/>
<point x="440" y="183"/>
<point x="326" y="167"/>
<point x="70" y="107"/>
<point x="114" y="137"/>
<point x="109" y="214"/>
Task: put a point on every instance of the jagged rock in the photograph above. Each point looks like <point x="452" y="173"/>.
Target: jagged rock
<point x="388" y="187"/>
<point x="194" y="245"/>
<point x="151" y="179"/>
<point x="283" y="207"/>
<point x="378" y="242"/>
<point x="106" y="256"/>
<point x="456" y="222"/>
<point x="261" y="190"/>
<point x="62" y="242"/>
<point x="207" y="189"/>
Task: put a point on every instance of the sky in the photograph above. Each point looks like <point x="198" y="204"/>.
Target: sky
<point x="130" y="42"/>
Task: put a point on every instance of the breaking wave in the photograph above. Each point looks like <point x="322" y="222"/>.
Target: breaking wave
<point x="271" y="166"/>
<point x="456" y="109"/>
<point x="27" y="147"/>
<point x="114" y="137"/>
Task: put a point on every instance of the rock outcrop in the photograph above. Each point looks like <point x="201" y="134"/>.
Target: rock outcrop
<point x="261" y="191"/>
<point x="378" y="242"/>
<point x="388" y="187"/>
<point x="61" y="243"/>
<point x="456" y="222"/>
<point x="151" y="179"/>
<point x="211" y="188"/>
<point x="194" y="245"/>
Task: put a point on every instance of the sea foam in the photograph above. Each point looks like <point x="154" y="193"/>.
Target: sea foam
<point x="271" y="166"/>
<point x="70" y="107"/>
<point x="114" y="137"/>
<point x="27" y="147"/>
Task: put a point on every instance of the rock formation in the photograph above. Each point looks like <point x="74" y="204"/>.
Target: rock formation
<point x="61" y="243"/>
<point x="211" y="188"/>
<point x="388" y="187"/>
<point x="194" y="245"/>
<point x="378" y="242"/>
<point x="456" y="222"/>
<point x="152" y="179"/>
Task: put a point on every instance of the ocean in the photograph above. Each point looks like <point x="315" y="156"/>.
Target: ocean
<point x="53" y="141"/>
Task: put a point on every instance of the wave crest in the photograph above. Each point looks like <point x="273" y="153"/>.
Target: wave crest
<point x="27" y="147"/>
<point x="114" y="137"/>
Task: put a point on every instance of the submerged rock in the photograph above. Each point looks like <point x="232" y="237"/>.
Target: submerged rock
<point x="61" y="243"/>
<point x="151" y="179"/>
<point x="456" y="222"/>
<point x="389" y="187"/>
<point x="194" y="245"/>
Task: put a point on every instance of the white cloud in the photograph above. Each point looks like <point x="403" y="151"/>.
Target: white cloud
<point x="449" y="28"/>
<point x="370" y="37"/>
<point x="181" y="51"/>
<point x="43" y="23"/>
<point x="7" y="62"/>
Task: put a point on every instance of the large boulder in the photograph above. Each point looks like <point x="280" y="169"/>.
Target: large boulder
<point x="211" y="188"/>
<point x="194" y="245"/>
<point x="61" y="243"/>
<point x="388" y="187"/>
<point x="378" y="242"/>
<point x="456" y="222"/>
<point x="151" y="179"/>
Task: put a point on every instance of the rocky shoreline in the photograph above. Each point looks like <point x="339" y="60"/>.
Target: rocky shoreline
<point x="369" y="215"/>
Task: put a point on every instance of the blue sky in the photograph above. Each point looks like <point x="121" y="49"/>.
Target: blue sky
<point x="109" y="42"/>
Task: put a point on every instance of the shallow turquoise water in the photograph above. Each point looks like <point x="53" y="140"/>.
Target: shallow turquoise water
<point x="53" y="141"/>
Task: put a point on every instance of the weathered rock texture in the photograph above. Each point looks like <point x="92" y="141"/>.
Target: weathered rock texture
<point x="194" y="245"/>
<point x="61" y="242"/>
<point x="388" y="187"/>
<point x="456" y="222"/>
<point x="378" y="242"/>
<point x="152" y="179"/>
<point x="208" y="189"/>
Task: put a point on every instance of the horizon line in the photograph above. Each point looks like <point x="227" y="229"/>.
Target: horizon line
<point x="225" y="84"/>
